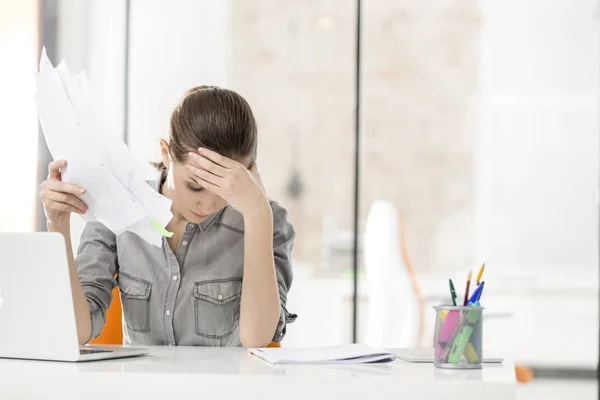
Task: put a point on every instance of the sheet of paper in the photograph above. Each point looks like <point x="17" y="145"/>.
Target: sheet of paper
<point x="117" y="195"/>
<point x="343" y="354"/>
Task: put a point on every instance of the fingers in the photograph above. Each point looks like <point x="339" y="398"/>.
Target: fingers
<point x="63" y="187"/>
<point x="208" y="185"/>
<point x="65" y="199"/>
<point x="217" y="158"/>
<point x="62" y="207"/>
<point x="54" y="169"/>
<point x="206" y="164"/>
<point x="63" y="192"/>
<point x="206" y="177"/>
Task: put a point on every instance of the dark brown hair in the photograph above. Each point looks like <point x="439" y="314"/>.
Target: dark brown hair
<point x="215" y="118"/>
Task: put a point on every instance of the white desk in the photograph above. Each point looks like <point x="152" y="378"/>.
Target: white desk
<point x="173" y="373"/>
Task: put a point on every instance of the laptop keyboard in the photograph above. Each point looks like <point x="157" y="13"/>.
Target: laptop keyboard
<point x="92" y="351"/>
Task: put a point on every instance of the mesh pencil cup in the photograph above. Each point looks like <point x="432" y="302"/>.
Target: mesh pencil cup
<point x="457" y="340"/>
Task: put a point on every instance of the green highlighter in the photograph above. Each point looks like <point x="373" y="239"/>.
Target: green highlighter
<point x="461" y="339"/>
<point x="159" y="228"/>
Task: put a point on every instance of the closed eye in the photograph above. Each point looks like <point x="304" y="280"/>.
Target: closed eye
<point x="194" y="188"/>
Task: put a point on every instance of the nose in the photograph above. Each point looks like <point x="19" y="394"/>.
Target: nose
<point x="206" y="207"/>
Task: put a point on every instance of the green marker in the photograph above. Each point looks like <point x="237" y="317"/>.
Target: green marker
<point x="162" y="230"/>
<point x="465" y="331"/>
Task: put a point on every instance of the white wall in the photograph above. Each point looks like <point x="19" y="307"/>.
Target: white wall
<point x="174" y="46"/>
<point x="18" y="114"/>
<point x="538" y="154"/>
<point x="105" y="64"/>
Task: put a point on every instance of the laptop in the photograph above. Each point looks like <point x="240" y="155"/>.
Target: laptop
<point x="37" y="317"/>
<point x="425" y="355"/>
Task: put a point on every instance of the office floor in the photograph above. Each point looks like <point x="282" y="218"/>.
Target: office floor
<point x="558" y="390"/>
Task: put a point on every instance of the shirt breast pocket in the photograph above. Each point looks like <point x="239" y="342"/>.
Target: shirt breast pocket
<point x="217" y="307"/>
<point x="135" y="296"/>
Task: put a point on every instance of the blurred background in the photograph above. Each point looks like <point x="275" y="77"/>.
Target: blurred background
<point x="479" y="125"/>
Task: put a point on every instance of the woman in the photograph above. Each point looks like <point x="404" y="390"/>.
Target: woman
<point x="222" y="278"/>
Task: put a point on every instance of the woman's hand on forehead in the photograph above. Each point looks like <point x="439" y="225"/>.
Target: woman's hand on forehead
<point x="241" y="187"/>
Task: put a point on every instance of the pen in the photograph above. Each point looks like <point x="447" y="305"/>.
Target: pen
<point x="467" y="289"/>
<point x="480" y="273"/>
<point x="452" y="292"/>
<point x="475" y="295"/>
<point x="481" y="291"/>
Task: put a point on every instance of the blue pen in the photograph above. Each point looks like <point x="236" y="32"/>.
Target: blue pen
<point x="481" y="292"/>
<point x="475" y="295"/>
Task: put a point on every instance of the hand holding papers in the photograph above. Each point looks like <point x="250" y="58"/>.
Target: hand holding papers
<point x="116" y="192"/>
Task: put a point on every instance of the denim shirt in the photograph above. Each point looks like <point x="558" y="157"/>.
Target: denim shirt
<point x="188" y="298"/>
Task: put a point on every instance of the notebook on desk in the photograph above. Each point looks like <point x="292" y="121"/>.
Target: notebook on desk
<point x="344" y="354"/>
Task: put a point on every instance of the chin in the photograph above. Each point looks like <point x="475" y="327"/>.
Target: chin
<point x="196" y="218"/>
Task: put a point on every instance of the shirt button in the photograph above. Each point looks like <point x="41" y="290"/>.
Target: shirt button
<point x="220" y="297"/>
<point x="174" y="277"/>
<point x="184" y="243"/>
<point x="190" y="226"/>
<point x="168" y="312"/>
<point x="126" y="290"/>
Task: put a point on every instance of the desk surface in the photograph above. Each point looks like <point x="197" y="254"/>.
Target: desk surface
<point x="230" y="373"/>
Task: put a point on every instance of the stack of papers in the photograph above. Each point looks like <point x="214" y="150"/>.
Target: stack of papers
<point x="344" y="354"/>
<point x="97" y="160"/>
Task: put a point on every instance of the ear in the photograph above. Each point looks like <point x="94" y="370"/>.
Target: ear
<point x="164" y="153"/>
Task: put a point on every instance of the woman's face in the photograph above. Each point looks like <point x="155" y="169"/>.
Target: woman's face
<point x="189" y="198"/>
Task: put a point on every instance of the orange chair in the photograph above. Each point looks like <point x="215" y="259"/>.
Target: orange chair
<point x="113" y="329"/>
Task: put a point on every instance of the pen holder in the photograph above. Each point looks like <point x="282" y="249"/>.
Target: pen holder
<point x="457" y="340"/>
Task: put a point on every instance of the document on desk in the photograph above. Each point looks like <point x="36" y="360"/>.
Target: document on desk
<point x="116" y="192"/>
<point x="344" y="354"/>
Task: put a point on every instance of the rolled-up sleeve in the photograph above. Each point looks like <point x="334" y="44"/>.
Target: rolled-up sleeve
<point x="283" y="243"/>
<point x="97" y="265"/>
